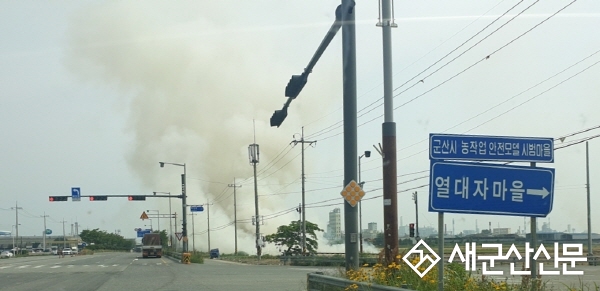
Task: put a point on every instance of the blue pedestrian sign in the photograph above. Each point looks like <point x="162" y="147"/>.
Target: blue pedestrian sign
<point x="490" y="189"/>
<point x="76" y="194"/>
<point x="197" y="208"/>
<point x="490" y="148"/>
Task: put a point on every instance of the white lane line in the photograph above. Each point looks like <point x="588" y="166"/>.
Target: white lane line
<point x="4" y="267"/>
<point x="23" y="267"/>
<point x="69" y="266"/>
<point x="103" y="266"/>
<point x="57" y="266"/>
<point x="38" y="266"/>
<point x="115" y="265"/>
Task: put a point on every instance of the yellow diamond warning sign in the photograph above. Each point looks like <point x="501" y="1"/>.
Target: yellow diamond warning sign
<point x="352" y="193"/>
<point x="144" y="216"/>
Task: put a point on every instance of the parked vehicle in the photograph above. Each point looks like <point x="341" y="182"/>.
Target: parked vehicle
<point x="151" y="245"/>
<point x="6" y="254"/>
<point x="67" y="251"/>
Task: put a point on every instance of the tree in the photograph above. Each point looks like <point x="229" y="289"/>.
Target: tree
<point x="163" y="238"/>
<point x="289" y="238"/>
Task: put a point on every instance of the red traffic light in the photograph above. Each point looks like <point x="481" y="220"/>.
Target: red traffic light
<point x="58" y="198"/>
<point x="98" y="198"/>
<point x="137" y="198"/>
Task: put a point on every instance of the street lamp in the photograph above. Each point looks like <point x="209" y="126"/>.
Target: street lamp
<point x="183" y="204"/>
<point x="157" y="217"/>
<point x="361" y="183"/>
<point x="170" y="220"/>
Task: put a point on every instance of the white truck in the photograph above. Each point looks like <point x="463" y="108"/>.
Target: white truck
<point x="151" y="245"/>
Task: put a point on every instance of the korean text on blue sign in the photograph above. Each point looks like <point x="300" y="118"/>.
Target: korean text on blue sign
<point x="490" y="189"/>
<point x="490" y="148"/>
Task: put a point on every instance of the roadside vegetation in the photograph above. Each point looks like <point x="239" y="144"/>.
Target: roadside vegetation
<point x="456" y="278"/>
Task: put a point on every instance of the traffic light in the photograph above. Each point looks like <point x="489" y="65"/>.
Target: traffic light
<point x="278" y="117"/>
<point x="137" y="198"/>
<point x="98" y="198"/>
<point x="58" y="198"/>
<point x="411" y="228"/>
<point x="295" y="85"/>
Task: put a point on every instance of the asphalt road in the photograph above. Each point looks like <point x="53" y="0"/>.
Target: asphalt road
<point x="127" y="271"/>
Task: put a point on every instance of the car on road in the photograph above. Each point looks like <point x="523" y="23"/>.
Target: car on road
<point x="67" y="251"/>
<point x="6" y="254"/>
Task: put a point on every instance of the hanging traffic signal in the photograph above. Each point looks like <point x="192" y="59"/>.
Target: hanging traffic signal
<point x="278" y="117"/>
<point x="137" y="198"/>
<point x="58" y="198"/>
<point x="98" y="198"/>
<point x="295" y="85"/>
<point x="411" y="228"/>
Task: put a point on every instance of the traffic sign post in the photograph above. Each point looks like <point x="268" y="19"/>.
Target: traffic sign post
<point x="76" y="194"/>
<point x="490" y="148"/>
<point x="491" y="189"/>
<point x="196" y="208"/>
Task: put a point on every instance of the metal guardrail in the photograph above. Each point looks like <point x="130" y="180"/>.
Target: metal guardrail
<point x="319" y="282"/>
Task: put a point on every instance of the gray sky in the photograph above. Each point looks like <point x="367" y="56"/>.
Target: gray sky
<point x="96" y="93"/>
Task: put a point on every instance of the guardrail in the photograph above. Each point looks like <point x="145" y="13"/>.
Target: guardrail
<point x="319" y="282"/>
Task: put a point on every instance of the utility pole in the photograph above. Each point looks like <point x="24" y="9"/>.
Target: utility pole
<point x="234" y="185"/>
<point x="44" y="239"/>
<point x="193" y="232"/>
<point x="64" y="235"/>
<point x="416" y="198"/>
<point x="16" y="208"/>
<point x="253" y="152"/>
<point x="388" y="130"/>
<point x="302" y="141"/>
<point x="208" y="228"/>
<point x="587" y="186"/>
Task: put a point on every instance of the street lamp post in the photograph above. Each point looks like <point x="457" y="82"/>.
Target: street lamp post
<point x="183" y="204"/>
<point x="157" y="217"/>
<point x="361" y="183"/>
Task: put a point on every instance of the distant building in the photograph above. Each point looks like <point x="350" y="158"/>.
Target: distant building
<point x="371" y="231"/>
<point x="580" y="236"/>
<point x="334" y="226"/>
<point x="503" y="230"/>
<point x="427" y="231"/>
<point x="468" y="232"/>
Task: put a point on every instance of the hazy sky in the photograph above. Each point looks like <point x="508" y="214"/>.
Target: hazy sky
<point x="96" y="93"/>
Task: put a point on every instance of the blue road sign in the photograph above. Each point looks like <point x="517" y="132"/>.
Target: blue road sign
<point x="197" y="208"/>
<point x="490" y="189"/>
<point x="141" y="232"/>
<point x="76" y="194"/>
<point x="490" y="148"/>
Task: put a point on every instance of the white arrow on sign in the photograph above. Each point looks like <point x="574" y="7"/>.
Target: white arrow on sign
<point x="540" y="192"/>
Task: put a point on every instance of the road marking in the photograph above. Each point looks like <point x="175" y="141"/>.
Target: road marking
<point x="86" y="265"/>
<point x="23" y="267"/>
<point x="115" y="265"/>
<point x="38" y="266"/>
<point x="103" y="266"/>
<point x="57" y="266"/>
<point x="6" y="267"/>
<point x="70" y="266"/>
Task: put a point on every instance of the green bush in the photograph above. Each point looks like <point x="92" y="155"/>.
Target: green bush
<point x="197" y="258"/>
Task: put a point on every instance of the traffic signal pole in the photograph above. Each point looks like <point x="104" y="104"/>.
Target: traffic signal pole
<point x="350" y="128"/>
